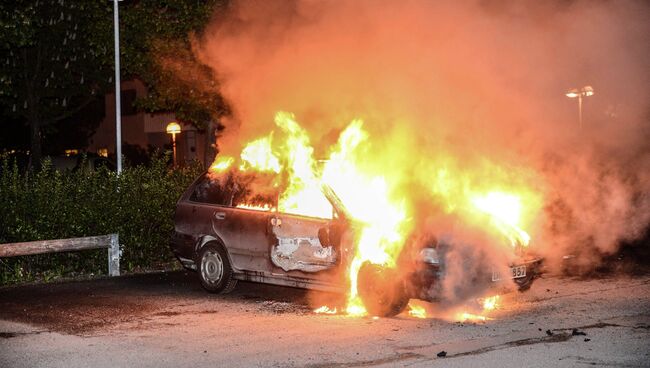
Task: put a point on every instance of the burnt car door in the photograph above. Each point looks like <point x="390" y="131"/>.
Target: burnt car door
<point x="301" y="243"/>
<point x="251" y="250"/>
<point x="272" y="242"/>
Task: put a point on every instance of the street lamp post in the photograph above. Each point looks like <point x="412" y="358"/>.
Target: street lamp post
<point x="585" y="91"/>
<point x="118" y="97"/>
<point x="173" y="128"/>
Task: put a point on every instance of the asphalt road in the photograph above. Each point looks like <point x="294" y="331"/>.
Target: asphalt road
<point x="167" y="320"/>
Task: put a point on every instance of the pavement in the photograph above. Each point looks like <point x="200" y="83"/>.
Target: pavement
<point x="167" y="320"/>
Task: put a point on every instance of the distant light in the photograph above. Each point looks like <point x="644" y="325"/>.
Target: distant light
<point x="585" y="91"/>
<point x="173" y="128"/>
<point x="573" y="93"/>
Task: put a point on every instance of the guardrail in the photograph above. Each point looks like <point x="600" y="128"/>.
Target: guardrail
<point x="110" y="241"/>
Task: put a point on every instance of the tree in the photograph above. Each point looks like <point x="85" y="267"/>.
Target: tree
<point x="177" y="81"/>
<point x="55" y="58"/>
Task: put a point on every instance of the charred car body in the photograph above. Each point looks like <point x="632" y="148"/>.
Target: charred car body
<point x="227" y="232"/>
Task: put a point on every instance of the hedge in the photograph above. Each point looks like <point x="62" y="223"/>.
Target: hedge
<point x="52" y="204"/>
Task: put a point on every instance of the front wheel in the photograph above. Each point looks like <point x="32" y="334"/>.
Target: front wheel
<point x="381" y="290"/>
<point x="215" y="271"/>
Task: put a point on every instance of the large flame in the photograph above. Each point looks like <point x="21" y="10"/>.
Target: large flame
<point x="484" y="193"/>
<point x="372" y="197"/>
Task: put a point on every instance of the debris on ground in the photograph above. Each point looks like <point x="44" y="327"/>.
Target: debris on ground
<point x="587" y="340"/>
<point x="575" y="332"/>
<point x="549" y="332"/>
<point x="284" y="307"/>
<point x="442" y="354"/>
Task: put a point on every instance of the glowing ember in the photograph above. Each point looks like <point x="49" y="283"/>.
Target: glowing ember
<point x="491" y="303"/>
<point x="265" y="207"/>
<point x="325" y="310"/>
<point x="469" y="317"/>
<point x="416" y="311"/>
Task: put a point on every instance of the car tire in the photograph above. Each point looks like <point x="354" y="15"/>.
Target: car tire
<point x="215" y="271"/>
<point x="381" y="290"/>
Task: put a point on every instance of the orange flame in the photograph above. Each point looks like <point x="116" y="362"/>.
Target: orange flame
<point x="489" y="304"/>
<point x="325" y="310"/>
<point x="415" y="310"/>
<point x="264" y="207"/>
<point x="221" y="164"/>
<point x="469" y="317"/>
<point x="374" y="200"/>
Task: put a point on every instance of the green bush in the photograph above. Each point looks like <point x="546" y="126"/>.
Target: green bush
<point x="50" y="204"/>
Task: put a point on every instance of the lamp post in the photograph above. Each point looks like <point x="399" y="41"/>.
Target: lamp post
<point x="173" y="128"/>
<point x="118" y="107"/>
<point x="585" y="91"/>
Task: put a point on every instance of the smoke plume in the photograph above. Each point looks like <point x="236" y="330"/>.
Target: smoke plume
<point x="474" y="86"/>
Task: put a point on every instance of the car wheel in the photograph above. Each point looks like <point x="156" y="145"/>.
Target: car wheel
<point x="215" y="271"/>
<point x="381" y="290"/>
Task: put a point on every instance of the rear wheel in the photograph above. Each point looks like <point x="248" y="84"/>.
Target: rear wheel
<point x="381" y="290"/>
<point x="214" y="269"/>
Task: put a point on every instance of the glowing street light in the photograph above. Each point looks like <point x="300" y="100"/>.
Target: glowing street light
<point x="173" y="128"/>
<point x="585" y="91"/>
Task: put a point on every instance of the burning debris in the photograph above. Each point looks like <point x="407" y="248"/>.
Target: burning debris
<point x="325" y="310"/>
<point x="416" y="310"/>
<point x="491" y="303"/>
<point x="488" y="304"/>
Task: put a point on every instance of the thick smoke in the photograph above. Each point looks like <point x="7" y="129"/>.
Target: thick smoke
<point x="473" y="80"/>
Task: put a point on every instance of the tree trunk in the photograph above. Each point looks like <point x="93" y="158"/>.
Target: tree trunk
<point x="36" y="152"/>
<point x="35" y="124"/>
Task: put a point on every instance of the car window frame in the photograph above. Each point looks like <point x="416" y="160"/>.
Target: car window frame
<point x="193" y="188"/>
<point x="201" y="178"/>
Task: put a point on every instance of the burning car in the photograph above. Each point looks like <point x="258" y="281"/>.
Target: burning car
<point x="228" y="228"/>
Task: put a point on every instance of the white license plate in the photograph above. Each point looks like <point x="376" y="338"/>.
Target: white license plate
<point x="515" y="273"/>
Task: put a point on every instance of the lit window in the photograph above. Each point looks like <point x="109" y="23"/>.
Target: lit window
<point x="71" y="152"/>
<point x="103" y="152"/>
